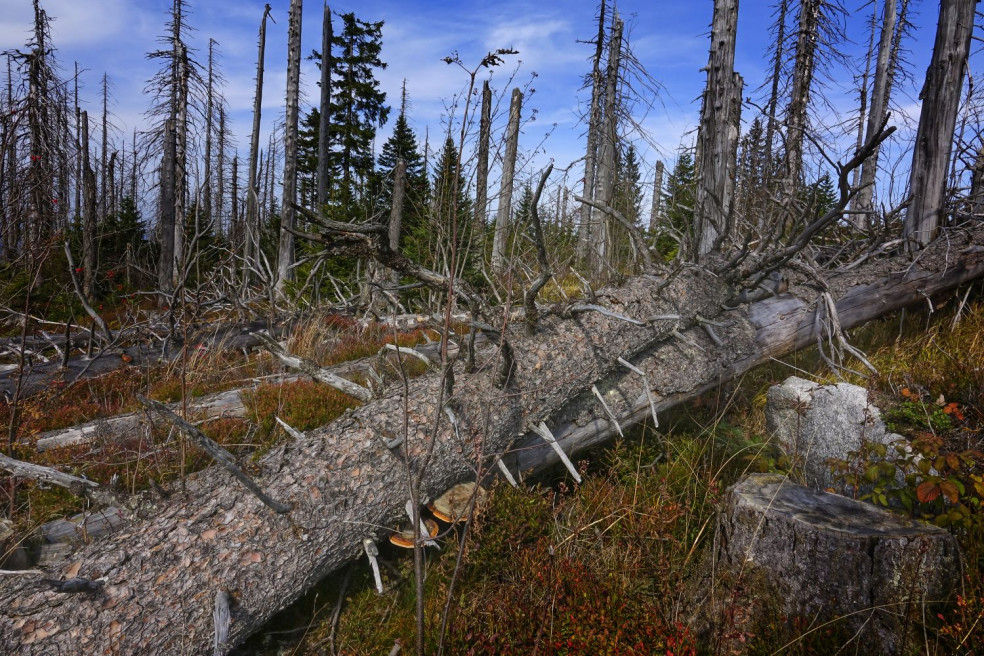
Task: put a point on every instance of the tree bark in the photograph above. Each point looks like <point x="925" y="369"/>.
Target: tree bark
<point x="799" y="102"/>
<point x="343" y="481"/>
<point x="165" y="266"/>
<point x="880" y="95"/>
<point x="504" y="216"/>
<point x="605" y="179"/>
<point x="717" y="143"/>
<point x="772" y="564"/>
<point x="285" y="259"/>
<point x="88" y="214"/>
<point x="482" y="167"/>
<point x="325" y="119"/>
<point x="594" y="140"/>
<point x="251" y="232"/>
<point x="937" y="119"/>
<point x="657" y="205"/>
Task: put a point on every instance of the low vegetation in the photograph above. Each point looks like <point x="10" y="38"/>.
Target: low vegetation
<point x="601" y="568"/>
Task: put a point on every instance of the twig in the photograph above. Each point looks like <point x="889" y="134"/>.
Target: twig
<point x="45" y="474"/>
<point x="313" y="370"/>
<point x="78" y="292"/>
<point x="548" y="437"/>
<point x="608" y="411"/>
<point x="221" y="456"/>
<point x="591" y="307"/>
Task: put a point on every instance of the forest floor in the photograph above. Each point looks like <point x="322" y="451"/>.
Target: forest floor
<point x="556" y="567"/>
<point x="553" y="566"/>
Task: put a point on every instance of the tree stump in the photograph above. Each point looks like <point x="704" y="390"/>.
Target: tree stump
<point x="788" y="559"/>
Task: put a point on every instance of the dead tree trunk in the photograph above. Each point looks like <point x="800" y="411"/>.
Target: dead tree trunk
<point x="324" y="126"/>
<point x="180" y="154"/>
<point x="501" y="241"/>
<point x="717" y="142"/>
<point x="165" y="267"/>
<point x="799" y="102"/>
<point x="937" y="118"/>
<point x="880" y="95"/>
<point x="482" y="167"/>
<point x="657" y="205"/>
<point x="88" y="214"/>
<point x="605" y="179"/>
<point x="161" y="575"/>
<point x="285" y="259"/>
<point x="251" y="232"/>
<point x="594" y="140"/>
<point x="209" y="129"/>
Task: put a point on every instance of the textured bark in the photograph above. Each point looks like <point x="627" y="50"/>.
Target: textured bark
<point x="251" y="232"/>
<point x="396" y="212"/>
<point x="180" y="151"/>
<point x="343" y="482"/>
<point x="88" y="214"/>
<point x="324" y="126"/>
<point x="504" y="216"/>
<point x="286" y="255"/>
<point x="783" y="551"/>
<point x="605" y="180"/>
<point x="717" y="143"/>
<point x="206" y="189"/>
<point x="482" y="167"/>
<point x="165" y="266"/>
<point x="799" y="102"/>
<point x="937" y="119"/>
<point x="654" y="212"/>
<point x="594" y="140"/>
<point x="880" y="95"/>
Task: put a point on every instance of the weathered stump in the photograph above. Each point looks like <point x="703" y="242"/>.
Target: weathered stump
<point x="787" y="558"/>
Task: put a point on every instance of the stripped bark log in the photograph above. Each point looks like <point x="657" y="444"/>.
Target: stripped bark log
<point x="345" y="484"/>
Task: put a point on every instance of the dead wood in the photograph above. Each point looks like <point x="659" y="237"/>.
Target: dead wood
<point x="344" y="484"/>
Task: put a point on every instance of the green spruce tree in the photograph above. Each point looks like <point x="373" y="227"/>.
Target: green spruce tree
<point x="358" y="108"/>
<point x="402" y="144"/>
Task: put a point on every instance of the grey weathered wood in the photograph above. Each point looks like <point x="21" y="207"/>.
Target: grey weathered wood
<point x="717" y="141"/>
<point x="482" y="166"/>
<point x="45" y="474"/>
<point x="783" y="551"/>
<point x="324" y="125"/>
<point x="799" y="101"/>
<point x="593" y="140"/>
<point x="880" y="94"/>
<point x="318" y="373"/>
<point x="504" y="215"/>
<point x="286" y="253"/>
<point x="937" y="119"/>
<point x="251" y="237"/>
<point x="220" y="455"/>
<point x="607" y="144"/>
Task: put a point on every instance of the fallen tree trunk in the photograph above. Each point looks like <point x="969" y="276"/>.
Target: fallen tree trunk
<point x="344" y="484"/>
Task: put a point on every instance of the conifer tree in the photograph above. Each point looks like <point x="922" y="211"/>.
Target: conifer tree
<point x="402" y="144"/>
<point x="451" y="207"/>
<point x="357" y="109"/>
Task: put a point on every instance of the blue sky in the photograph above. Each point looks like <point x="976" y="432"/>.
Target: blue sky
<point x="669" y="37"/>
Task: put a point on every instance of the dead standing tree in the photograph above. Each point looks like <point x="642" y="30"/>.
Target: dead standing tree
<point x="285" y="260"/>
<point x="504" y="215"/>
<point x="937" y="118"/>
<point x="717" y="143"/>
<point x="251" y="231"/>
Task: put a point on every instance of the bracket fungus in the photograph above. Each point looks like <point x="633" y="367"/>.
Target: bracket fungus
<point x="455" y="504"/>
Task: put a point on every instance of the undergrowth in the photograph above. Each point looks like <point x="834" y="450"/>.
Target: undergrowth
<point x="600" y="568"/>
